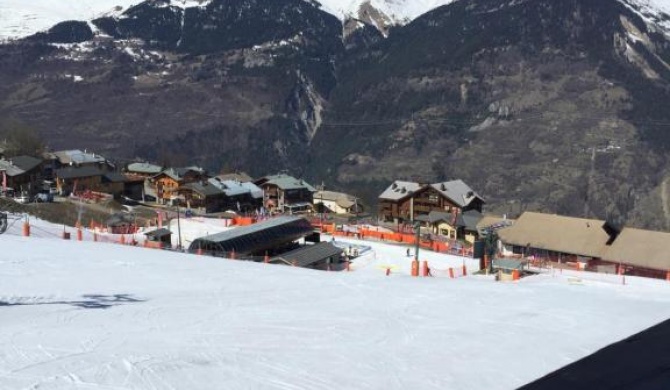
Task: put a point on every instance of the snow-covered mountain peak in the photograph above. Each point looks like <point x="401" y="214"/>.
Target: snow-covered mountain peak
<point x="398" y="11"/>
<point x="654" y="11"/>
<point x="20" y="18"/>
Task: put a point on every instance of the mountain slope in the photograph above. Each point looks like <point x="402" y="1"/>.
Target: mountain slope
<point x="546" y="105"/>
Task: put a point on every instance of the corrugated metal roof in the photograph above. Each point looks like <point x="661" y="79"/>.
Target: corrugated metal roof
<point x="309" y="254"/>
<point x="642" y="248"/>
<point x="457" y="191"/>
<point x="577" y="236"/>
<point x="257" y="237"/>
<point x="400" y="189"/>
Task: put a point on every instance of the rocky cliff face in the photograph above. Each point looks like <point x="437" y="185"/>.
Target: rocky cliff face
<point x="539" y="104"/>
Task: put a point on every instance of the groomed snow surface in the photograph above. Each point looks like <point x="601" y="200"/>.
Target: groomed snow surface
<point x="84" y="315"/>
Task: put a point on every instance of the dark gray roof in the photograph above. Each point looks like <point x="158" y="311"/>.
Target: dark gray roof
<point x="257" y="237"/>
<point x="206" y="190"/>
<point x="114" y="177"/>
<point x="78" y="172"/>
<point x="440" y="216"/>
<point x="400" y="189"/>
<point x="76" y="156"/>
<point x="26" y="163"/>
<point x="309" y="254"/>
<point x="469" y="219"/>
<point x="162" y="232"/>
<point x="456" y="190"/>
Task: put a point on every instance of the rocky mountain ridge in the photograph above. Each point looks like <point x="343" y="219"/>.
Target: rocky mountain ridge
<point x="541" y="105"/>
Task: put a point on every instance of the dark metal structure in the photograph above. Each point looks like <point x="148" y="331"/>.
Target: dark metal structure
<point x="256" y="239"/>
<point x="321" y="254"/>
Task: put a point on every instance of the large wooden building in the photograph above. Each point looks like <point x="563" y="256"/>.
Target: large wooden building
<point x="592" y="244"/>
<point x="403" y="201"/>
<point x="21" y="174"/>
<point x="284" y="193"/>
<point x="165" y="185"/>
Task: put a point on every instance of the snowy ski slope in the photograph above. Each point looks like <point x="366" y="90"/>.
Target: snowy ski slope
<point x="84" y="315"/>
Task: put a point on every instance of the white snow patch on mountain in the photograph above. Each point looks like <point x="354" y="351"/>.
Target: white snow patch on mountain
<point x="21" y="18"/>
<point x="653" y="11"/>
<point x="400" y="11"/>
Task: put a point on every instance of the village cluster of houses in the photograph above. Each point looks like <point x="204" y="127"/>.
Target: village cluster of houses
<point x="444" y="210"/>
<point x="85" y="174"/>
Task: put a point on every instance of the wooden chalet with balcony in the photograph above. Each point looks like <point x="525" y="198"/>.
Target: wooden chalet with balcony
<point x="164" y="186"/>
<point x="284" y="193"/>
<point x="404" y="201"/>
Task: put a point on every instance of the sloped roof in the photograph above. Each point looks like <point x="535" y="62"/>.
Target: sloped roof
<point x="469" y="219"/>
<point x="229" y="187"/>
<point x="10" y="169"/>
<point x="436" y="216"/>
<point x="237" y="176"/>
<point x="77" y="156"/>
<point x="161" y="232"/>
<point x="578" y="236"/>
<point x="642" y="248"/>
<point x="257" y="237"/>
<point x="457" y="191"/>
<point x="206" y="190"/>
<point x="493" y="220"/>
<point x="178" y="174"/>
<point x="144" y="167"/>
<point x="286" y="182"/>
<point x="309" y="254"/>
<point x="256" y="191"/>
<point x="341" y="199"/>
<point x="400" y="189"/>
<point x="78" y="172"/>
<point x="115" y="177"/>
<point x="26" y="163"/>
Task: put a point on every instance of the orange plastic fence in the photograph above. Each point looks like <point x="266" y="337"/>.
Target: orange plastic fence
<point x="243" y="221"/>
